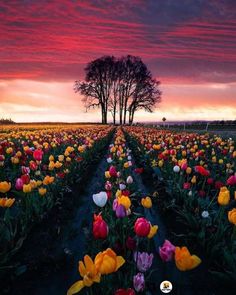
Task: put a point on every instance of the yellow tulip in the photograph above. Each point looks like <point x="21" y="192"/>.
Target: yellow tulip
<point x="160" y="163"/>
<point x="58" y="164"/>
<point x="194" y="179"/>
<point x="51" y="165"/>
<point x="107" y="174"/>
<point x="5" y="186"/>
<point x="189" y="170"/>
<point x="107" y="262"/>
<point x="153" y="231"/>
<point x="61" y="158"/>
<point x="9" y="150"/>
<point x="232" y="216"/>
<point x="6" y="202"/>
<point x="42" y="191"/>
<point x="27" y="188"/>
<point x="146" y="202"/>
<point x="125" y="201"/>
<point x="126" y="165"/>
<point x="51" y="158"/>
<point x="118" y="193"/>
<point x="184" y="260"/>
<point x="224" y="196"/>
<point x="81" y="149"/>
<point x="88" y="272"/>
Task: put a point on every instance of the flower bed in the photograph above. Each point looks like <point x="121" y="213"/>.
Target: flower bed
<point x="120" y="256"/>
<point x="37" y="169"/>
<point x="197" y="173"/>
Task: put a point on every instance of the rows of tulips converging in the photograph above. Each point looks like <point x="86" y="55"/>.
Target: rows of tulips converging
<point x="200" y="177"/>
<point x="122" y="234"/>
<point x="36" y="166"/>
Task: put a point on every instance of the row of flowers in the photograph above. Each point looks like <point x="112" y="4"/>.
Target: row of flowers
<point x="36" y="168"/>
<point x="121" y="250"/>
<point x="198" y="172"/>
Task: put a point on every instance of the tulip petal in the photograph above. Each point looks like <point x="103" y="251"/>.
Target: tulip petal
<point x="97" y="278"/>
<point x="89" y="265"/>
<point x="196" y="261"/>
<point x="75" y="288"/>
<point x="119" y="262"/>
<point x="82" y="269"/>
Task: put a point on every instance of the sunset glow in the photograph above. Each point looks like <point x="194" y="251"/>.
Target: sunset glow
<point x="190" y="46"/>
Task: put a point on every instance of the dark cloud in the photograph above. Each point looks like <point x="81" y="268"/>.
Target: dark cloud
<point x="188" y="39"/>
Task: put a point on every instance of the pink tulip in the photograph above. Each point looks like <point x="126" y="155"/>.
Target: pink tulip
<point x="19" y="184"/>
<point x="113" y="171"/>
<point x="167" y="251"/>
<point x="25" y="170"/>
<point x="231" y="180"/>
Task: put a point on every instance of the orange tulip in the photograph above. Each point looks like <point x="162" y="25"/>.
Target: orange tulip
<point x="107" y="262"/>
<point x="184" y="260"/>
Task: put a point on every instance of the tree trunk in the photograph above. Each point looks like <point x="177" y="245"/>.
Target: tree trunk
<point x="114" y="114"/>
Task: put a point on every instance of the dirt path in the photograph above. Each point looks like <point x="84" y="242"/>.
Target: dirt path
<point x="165" y="271"/>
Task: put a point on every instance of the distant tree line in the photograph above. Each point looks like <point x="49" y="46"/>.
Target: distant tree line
<point x="6" y="121"/>
<point x="119" y="86"/>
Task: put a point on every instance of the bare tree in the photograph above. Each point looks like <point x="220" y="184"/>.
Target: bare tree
<point x="121" y="86"/>
<point x="97" y="86"/>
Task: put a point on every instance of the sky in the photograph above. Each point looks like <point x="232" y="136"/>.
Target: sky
<point x="189" y="46"/>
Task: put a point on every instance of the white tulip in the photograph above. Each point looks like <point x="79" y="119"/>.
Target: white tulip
<point x="100" y="199"/>
<point x="122" y="186"/>
<point x="205" y="214"/>
<point x="109" y="160"/>
<point x="129" y="180"/>
<point x="176" y="169"/>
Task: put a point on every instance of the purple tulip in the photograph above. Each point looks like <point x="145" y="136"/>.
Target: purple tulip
<point x="139" y="282"/>
<point x="120" y="211"/>
<point x="143" y="260"/>
<point x="167" y="251"/>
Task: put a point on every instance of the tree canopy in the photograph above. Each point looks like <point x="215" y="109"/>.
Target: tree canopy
<point x="120" y="86"/>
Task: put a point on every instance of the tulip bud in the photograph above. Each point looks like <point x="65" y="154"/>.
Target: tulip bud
<point x="176" y="169"/>
<point x="129" y="180"/>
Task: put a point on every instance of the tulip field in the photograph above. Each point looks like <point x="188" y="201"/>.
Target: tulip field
<point x="98" y="209"/>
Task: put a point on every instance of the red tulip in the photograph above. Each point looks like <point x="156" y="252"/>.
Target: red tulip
<point x="210" y="181"/>
<point x="130" y="243"/>
<point x="138" y="170"/>
<point x="112" y="171"/>
<point x="25" y="178"/>
<point x="202" y="193"/>
<point x="109" y="194"/>
<point x="100" y="228"/>
<point x="201" y="170"/>
<point x="187" y="185"/>
<point x="38" y="155"/>
<point x="142" y="227"/>
<point x="218" y="184"/>
<point x="33" y="166"/>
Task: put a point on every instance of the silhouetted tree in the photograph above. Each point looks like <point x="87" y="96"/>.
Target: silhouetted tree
<point x="97" y="86"/>
<point x="122" y="85"/>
